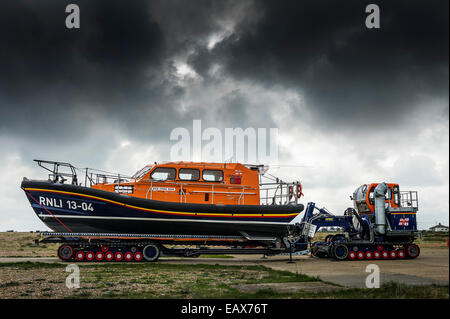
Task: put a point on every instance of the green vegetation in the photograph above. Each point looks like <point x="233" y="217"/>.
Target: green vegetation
<point x="386" y="291"/>
<point x="215" y="256"/>
<point x="30" y="265"/>
<point x="167" y="280"/>
<point x="15" y="244"/>
<point x="429" y="236"/>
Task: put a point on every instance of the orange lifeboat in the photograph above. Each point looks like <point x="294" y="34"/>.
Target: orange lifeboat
<point x="193" y="198"/>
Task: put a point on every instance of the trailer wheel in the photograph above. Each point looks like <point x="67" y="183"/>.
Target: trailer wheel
<point x="413" y="251"/>
<point x="401" y="254"/>
<point x="340" y="252"/>
<point x="385" y="254"/>
<point x="376" y="254"/>
<point x="65" y="252"/>
<point x="360" y="255"/>
<point x="151" y="252"/>
<point x="393" y="254"/>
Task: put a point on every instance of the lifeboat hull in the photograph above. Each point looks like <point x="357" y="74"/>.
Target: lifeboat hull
<point x="71" y="208"/>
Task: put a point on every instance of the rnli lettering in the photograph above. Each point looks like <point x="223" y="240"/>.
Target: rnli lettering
<point x="52" y="202"/>
<point x="65" y="204"/>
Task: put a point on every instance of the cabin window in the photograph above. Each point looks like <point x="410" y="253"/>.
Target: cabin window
<point x="372" y="196"/>
<point x="188" y="174"/>
<point x="389" y="194"/>
<point x="210" y="175"/>
<point x="396" y="195"/>
<point x="164" y="173"/>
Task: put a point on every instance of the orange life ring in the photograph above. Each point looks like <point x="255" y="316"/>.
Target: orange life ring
<point x="299" y="190"/>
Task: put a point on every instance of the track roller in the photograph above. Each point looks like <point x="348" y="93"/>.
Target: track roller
<point x="109" y="256"/>
<point x="118" y="256"/>
<point x="138" y="256"/>
<point x="79" y="255"/>
<point x="99" y="255"/>
<point x="352" y="255"/>
<point x="90" y="256"/>
<point x="128" y="256"/>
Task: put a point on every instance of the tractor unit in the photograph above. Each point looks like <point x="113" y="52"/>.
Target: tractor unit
<point x="382" y="225"/>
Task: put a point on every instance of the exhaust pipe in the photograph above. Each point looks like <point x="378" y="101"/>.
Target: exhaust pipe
<point x="380" y="210"/>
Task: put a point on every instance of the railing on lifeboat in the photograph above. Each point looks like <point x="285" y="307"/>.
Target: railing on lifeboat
<point x="61" y="171"/>
<point x="211" y="188"/>
<point x="274" y="191"/>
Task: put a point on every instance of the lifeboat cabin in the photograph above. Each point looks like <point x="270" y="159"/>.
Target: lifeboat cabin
<point x="192" y="182"/>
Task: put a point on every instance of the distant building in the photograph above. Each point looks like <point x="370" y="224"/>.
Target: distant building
<point x="439" y="228"/>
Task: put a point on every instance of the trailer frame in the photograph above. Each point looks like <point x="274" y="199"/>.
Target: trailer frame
<point x="75" y="246"/>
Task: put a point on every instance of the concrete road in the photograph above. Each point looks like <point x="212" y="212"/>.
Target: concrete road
<point x="431" y="267"/>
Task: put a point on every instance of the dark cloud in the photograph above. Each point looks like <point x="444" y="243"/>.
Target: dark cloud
<point x="348" y="74"/>
<point x="119" y="66"/>
<point x="56" y="82"/>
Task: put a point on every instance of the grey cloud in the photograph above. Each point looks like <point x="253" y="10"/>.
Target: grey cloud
<point x="56" y="82"/>
<point x="59" y="85"/>
<point x="348" y="75"/>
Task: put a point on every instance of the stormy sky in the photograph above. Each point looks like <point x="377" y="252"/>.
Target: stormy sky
<point x="352" y="105"/>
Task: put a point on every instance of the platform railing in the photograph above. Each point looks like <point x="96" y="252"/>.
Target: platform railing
<point x="279" y="193"/>
<point x="409" y="199"/>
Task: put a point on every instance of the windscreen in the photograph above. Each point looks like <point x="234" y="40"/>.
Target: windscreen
<point x="142" y="172"/>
